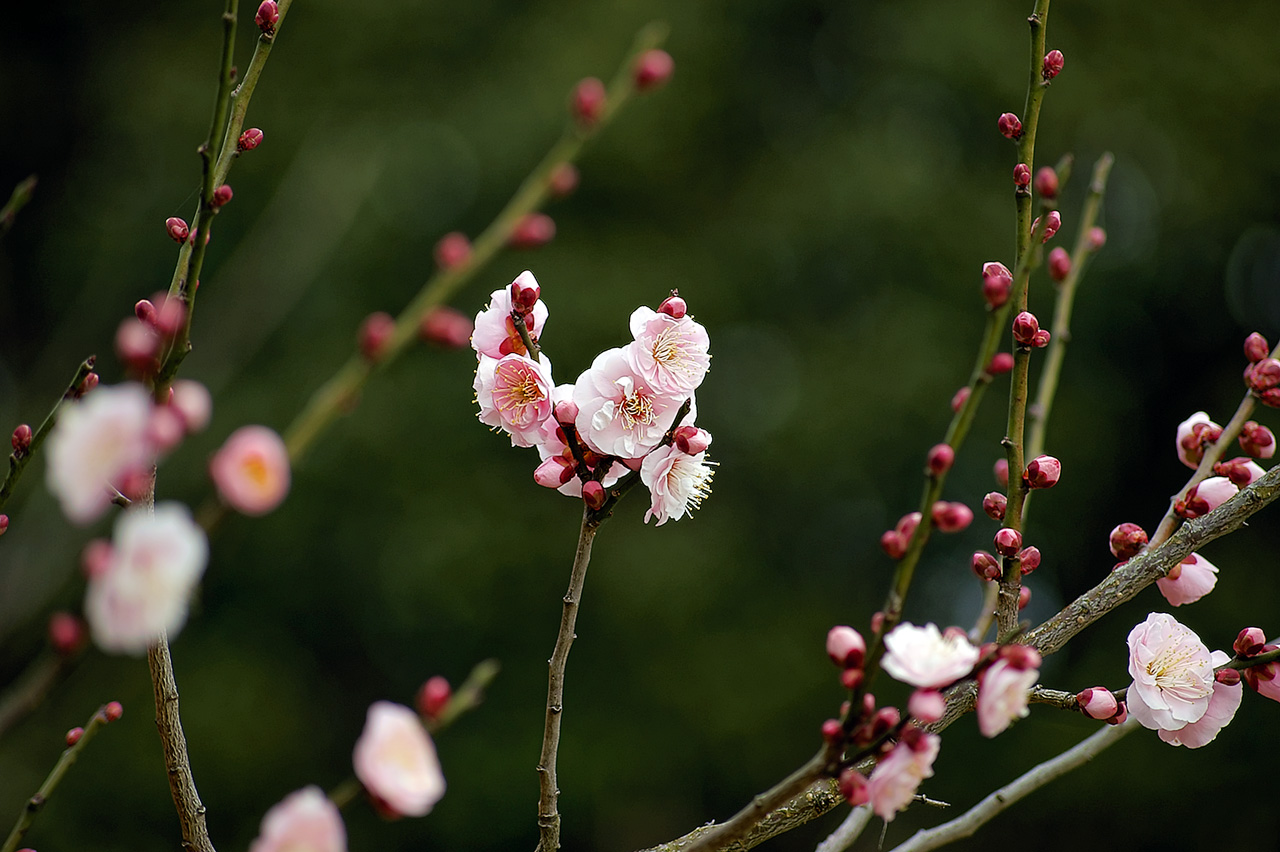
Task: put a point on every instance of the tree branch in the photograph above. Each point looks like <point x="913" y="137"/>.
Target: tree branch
<point x="182" y="784"/>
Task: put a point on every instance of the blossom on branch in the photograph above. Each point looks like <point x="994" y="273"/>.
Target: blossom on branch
<point x="676" y="481"/>
<point x="396" y="761"/>
<point x="619" y="412"/>
<point x="1223" y="704"/>
<point x="926" y="657"/>
<point x="670" y="354"/>
<point x="894" y="781"/>
<point x="1188" y="581"/>
<point x="514" y="394"/>
<point x="251" y="470"/>
<point x="304" y="821"/>
<point x="1173" y="683"/>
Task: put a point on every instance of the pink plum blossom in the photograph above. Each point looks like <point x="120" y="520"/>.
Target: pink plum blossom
<point x="304" y="821"/>
<point x="144" y="582"/>
<point x="1172" y="674"/>
<point x="1098" y="702"/>
<point x="927" y="705"/>
<point x="1221" y="710"/>
<point x="514" y="393"/>
<point x="1188" y="442"/>
<point x="668" y="353"/>
<point x="1189" y="581"/>
<point x="556" y="456"/>
<point x="1002" y="696"/>
<point x="677" y="482"/>
<point x="251" y="470"/>
<point x="619" y="412"/>
<point x="1264" y="679"/>
<point x="495" y="334"/>
<point x="1215" y="491"/>
<point x="98" y="442"/>
<point x="396" y="761"/>
<point x="894" y="781"/>
<point x="193" y="401"/>
<point x="925" y="657"/>
<point x="845" y="646"/>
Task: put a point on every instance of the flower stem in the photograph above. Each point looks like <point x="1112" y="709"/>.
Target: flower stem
<point x="17" y="200"/>
<point x="182" y="784"/>
<point x="18" y="463"/>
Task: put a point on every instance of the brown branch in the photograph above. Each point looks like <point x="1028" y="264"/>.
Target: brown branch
<point x="182" y="784"/>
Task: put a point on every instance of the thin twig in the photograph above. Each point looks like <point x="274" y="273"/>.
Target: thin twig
<point x="182" y="784"/>
<point x="848" y="832"/>
<point x="29" y="690"/>
<point x="17" y="200"/>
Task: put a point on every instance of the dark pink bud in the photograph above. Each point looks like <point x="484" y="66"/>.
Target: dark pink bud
<point x="87" y="384"/>
<point x="1025" y="326"/>
<point x="145" y="311"/>
<point x="221" y="196"/>
<point x="1009" y="125"/>
<point x="1122" y="714"/>
<point x="534" y="230"/>
<point x="1270" y="398"/>
<point x="268" y="15"/>
<point x="653" y="69"/>
<point x="1227" y="677"/>
<point x="588" y="101"/>
<point x="433" y="696"/>
<point x="893" y="544"/>
<point x="21" y="439"/>
<point x="1264" y="375"/>
<point x="854" y="787"/>
<point x="1250" y="642"/>
<point x="593" y="494"/>
<point x="986" y="566"/>
<point x="1041" y="339"/>
<point x="832" y="730"/>
<point x="846" y="647"/>
<point x="453" y="250"/>
<point x="907" y="524"/>
<point x="997" y="283"/>
<point x="1053" y="62"/>
<point x="1237" y="470"/>
<point x="67" y="633"/>
<point x="446" y="327"/>
<point x="940" y="459"/>
<point x="178" y="230"/>
<point x="250" y="139"/>
<point x="1047" y="182"/>
<point x="554" y="472"/>
<point x="1258" y="441"/>
<point x="564" y="180"/>
<point x="852" y="678"/>
<point x="375" y="333"/>
<point x="524" y="295"/>
<point x="1029" y="559"/>
<point x="1127" y="541"/>
<point x="566" y="411"/>
<point x="113" y="711"/>
<point x="74" y="735"/>
<point x="674" y="307"/>
<point x="1059" y="264"/>
<point x="1097" y="702"/>
<point x="1001" y="470"/>
<point x="4" y="524"/>
<point x="1097" y="238"/>
<point x="885" y="720"/>
<point x="138" y="346"/>
<point x="1024" y="597"/>
<point x="691" y="440"/>
<point x="1042" y="472"/>
<point x="959" y="398"/>
<point x="1001" y="363"/>
<point x="1008" y="541"/>
<point x="1021" y="176"/>
<point x="1051" y="225"/>
<point x="1256" y="347"/>
<point x="994" y="504"/>
<point x="951" y="517"/>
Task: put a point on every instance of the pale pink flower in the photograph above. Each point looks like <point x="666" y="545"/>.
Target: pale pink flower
<point x="677" y="482"/>
<point x="1221" y="710"/>
<point x="304" y="821"/>
<point x="551" y="446"/>
<point x="927" y="705"/>
<point x="251" y="470"/>
<point x="924" y="657"/>
<point x="1002" y="696"/>
<point x="514" y="393"/>
<point x="894" y="781"/>
<point x="1172" y="674"/>
<point x="1265" y="679"/>
<point x="1098" y="702"/>
<point x="1215" y="491"/>
<point x="97" y="442"/>
<point x="193" y="401"/>
<point x="668" y="353"/>
<point x="142" y="588"/>
<point x="619" y="412"/>
<point x="396" y="761"/>
<point x="1189" y="581"/>
<point x="1187" y="429"/>
<point x="495" y="334"/>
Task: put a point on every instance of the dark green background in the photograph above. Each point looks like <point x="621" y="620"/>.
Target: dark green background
<point x="822" y="182"/>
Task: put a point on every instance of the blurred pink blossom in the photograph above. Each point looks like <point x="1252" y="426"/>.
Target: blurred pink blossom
<point x="304" y="821"/>
<point x="396" y="761"/>
<point x="925" y="657"/>
<point x="894" y="781"/>
<point x="251" y="470"/>
<point x="1003" y="691"/>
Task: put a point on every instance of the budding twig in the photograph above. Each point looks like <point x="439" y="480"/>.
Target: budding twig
<point x="182" y="784"/>
<point x="17" y="200"/>
<point x="18" y="462"/>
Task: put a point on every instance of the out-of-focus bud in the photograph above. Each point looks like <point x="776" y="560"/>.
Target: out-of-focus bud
<point x="1042" y="472"/>
<point x="113" y="711"/>
<point x="986" y="566"/>
<point x="21" y="440"/>
<point x="1001" y="363"/>
<point x="1009" y="125"/>
<point x="1001" y="470"/>
<point x="452" y="250"/>
<point x="691" y="440"/>
<point x="67" y="634"/>
<point x="1008" y="541"/>
<point x="375" y="333"/>
<point x="1270" y="398"/>
<point x="564" y="180"/>
<point x="1257" y="441"/>
<point x="268" y="15"/>
<point x="534" y="230"/>
<point x="221" y="196"/>
<point x="1059" y="264"/>
<point x="906" y="526"/>
<point x="1025" y="326"/>
<point x="653" y="69"/>
<point x="145" y="311"/>
<point x="927" y="705"/>
<point x="832" y="730"/>
<point x="940" y="459"/>
<point x="1263" y="375"/>
<point x="1051" y="225"/>
<point x="446" y="327"/>
<point x="525" y="293"/>
<point x="997" y="283"/>
<point x="250" y="139"/>
<point x="1021" y="657"/>
<point x="854" y="787"/>
<point x="1097" y="238"/>
<point x="852" y="678"/>
<point x="1227" y="677"/>
<point x="1024" y="597"/>
<point x="1028" y="559"/>
<point x="846" y="647"/>
<point x="1047" y="182"/>
<point x="177" y="229"/>
<point x="959" y="398"/>
<point x="1127" y="540"/>
<point x="433" y="696"/>
<point x="951" y="517"/>
<point x="95" y="559"/>
<point x="994" y="505"/>
<point x="1256" y="347"/>
<point x="674" y="307"/>
<point x="1053" y="62"/>
<point x="1250" y="642"/>
<point x="74" y="735"/>
<point x="137" y="346"/>
<point x="1097" y="702"/>
<point x="593" y="494"/>
<point x="1022" y="176"/>
<point x="588" y="101"/>
<point x="893" y="545"/>
<point x="87" y="384"/>
<point x="170" y="316"/>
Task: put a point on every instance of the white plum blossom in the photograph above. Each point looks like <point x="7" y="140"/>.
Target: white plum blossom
<point x="668" y="353"/>
<point x="1172" y="674"/>
<point x="894" y="781"/>
<point x="619" y="412"/>
<point x="1222" y="708"/>
<point x="514" y="393"/>
<point x="1188" y="581"/>
<point x="142" y="588"/>
<point x="94" y="444"/>
<point x="925" y="657"/>
<point x="495" y="334"/>
<point x="396" y="761"/>
<point x="677" y="482"/>
<point x="1002" y="696"/>
<point x="304" y="821"/>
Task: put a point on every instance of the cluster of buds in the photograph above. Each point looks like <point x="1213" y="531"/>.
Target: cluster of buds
<point x="109" y="712"/>
<point x="141" y="339"/>
<point x="1027" y="331"/>
<point x="1257" y="441"/>
<point x="894" y="542"/>
<point x="1262" y="376"/>
<point x="1098" y="702"/>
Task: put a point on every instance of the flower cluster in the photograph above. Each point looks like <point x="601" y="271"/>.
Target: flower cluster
<point x="631" y="412"/>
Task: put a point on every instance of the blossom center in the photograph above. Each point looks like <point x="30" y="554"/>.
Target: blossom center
<point x="517" y="388"/>
<point x="1175" y="669"/>
<point x="635" y="408"/>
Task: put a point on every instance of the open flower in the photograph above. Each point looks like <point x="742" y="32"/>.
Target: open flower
<point x="1221" y="710"/>
<point x="514" y="393"/>
<point x="1172" y="674"/>
<point x="1188" y="581"/>
<point x="1002" y="696"/>
<point x="251" y="470"/>
<point x="677" y="482"/>
<point x="396" y="761"/>
<point x="669" y="353"/>
<point x="894" y="781"/>
<point x="304" y="821"/>
<point x="925" y="657"/>
<point x="619" y="412"/>
<point x="495" y="334"/>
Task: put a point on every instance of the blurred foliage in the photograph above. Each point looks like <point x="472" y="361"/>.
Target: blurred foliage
<point x="822" y="181"/>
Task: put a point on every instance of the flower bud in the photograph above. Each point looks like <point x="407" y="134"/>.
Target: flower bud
<point x="74" y="735"/>
<point x="1052" y="66"/>
<point x="893" y="544"/>
<point x="1097" y="702"/>
<point x="1263" y="375"/>
<point x="588" y="101"/>
<point x="1256" y="347"/>
<point x="250" y="139"/>
<point x="87" y="384"/>
<point x="1122" y="714"/>
<point x="452" y="250"/>
<point x="852" y="678"/>
<point x="986" y="566"/>
<point x="593" y="494"/>
<point x="432" y="697"/>
<point x="178" y="230"/>
<point x="1250" y="642"/>
<point x="1270" y="398"/>
<point x="525" y="293"/>
<point x="553" y="472"/>
<point x="1042" y="472"/>
<point x="67" y="633"/>
<point x="1059" y="264"/>
<point x="832" y="730"/>
<point x="1241" y="471"/>
<point x="1257" y="441"/>
<point x="1028" y="559"/>
<point x="268" y="15"/>
<point x="1008" y="541"/>
<point x="674" y="307"/>
<point x="1009" y="125"/>
<point x="940" y="459"/>
<point x="927" y="705"/>
<point x="652" y="70"/>
<point x="21" y="440"/>
<point x="1022" y="176"/>
<point x="691" y="440"/>
<point x="565" y="411"/>
<point x="854" y="787"/>
<point x="1001" y="470"/>
<point x="1227" y="677"/>
<point x="1024" y="597"/>
<point x="997" y="283"/>
<point x="994" y="504"/>
<point x="959" y="398"/>
<point x="534" y="230"/>
<point x="1047" y="182"/>
<point x="375" y="333"/>
<point x="113" y="711"/>
<point x="1041" y="339"/>
<point x="137" y="346"/>
<point x="1127" y="540"/>
<point x="885" y="720"/>
<point x="446" y="327"/>
<point x="1025" y="326"/>
<point x="145" y="311"/>
<point x="1001" y="363"/>
<point x="564" y="180"/>
<point x="221" y="196"/>
<point x="846" y="647"/>
<point x="907" y="524"/>
<point x="170" y="315"/>
<point x="951" y="517"/>
<point x="1097" y="238"/>
<point x="1052" y="223"/>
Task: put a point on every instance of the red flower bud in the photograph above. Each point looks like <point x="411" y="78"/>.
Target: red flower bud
<point x="588" y="101"/>
<point x="1001" y="470"/>
<point x="691" y="440"/>
<point x="1097" y="702"/>
<point x="986" y="566"/>
<point x="21" y="440"/>
<point x="1097" y="238"/>
<point x="1122" y="713"/>
<point x="1041" y="339"/>
<point x="951" y="517"/>
<point x="74" y="735"/>
<point x="854" y="787"/>
<point x="1059" y="264"/>
<point x="268" y="15"/>
<point x="1022" y="176"/>
<point x="1250" y="642"/>
<point x="832" y="730"/>
<point x="1008" y="541"/>
<point x="433" y="696"/>
<point x="1257" y="441"/>
<point x="1227" y="677"/>
<point x="67" y="633"/>
<point x="1042" y="472"/>
<point x="1024" y="597"/>
<point x="453" y="250"/>
<point x="87" y="384"/>
<point x="1256" y="347"/>
<point x="653" y="69"/>
<point x="534" y="230"/>
<point x="1025" y="326"/>
<point x="674" y="307"/>
<point x="113" y="711"/>
<point x="997" y="283"/>
<point x="1127" y="541"/>
<point x="846" y="647"/>
<point x="893" y="544"/>
<point x="1047" y="182"/>
<point x="1009" y="125"/>
<point x="524" y="295"/>
<point x="1028" y="559"/>
<point x="593" y="494"/>
<point x="995" y="504"/>
<point x="1052" y="223"/>
<point x="1001" y="363"/>
<point x="959" y="398"/>
<point x="446" y="327"/>
<point x="375" y="333"/>
<point x="250" y="139"/>
<point x="221" y="196"/>
<point x="1263" y="375"/>
<point x="940" y="459"/>
<point x="178" y="230"/>
<point x="564" y="180"/>
<point x="1053" y="62"/>
<point x="1270" y="398"/>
